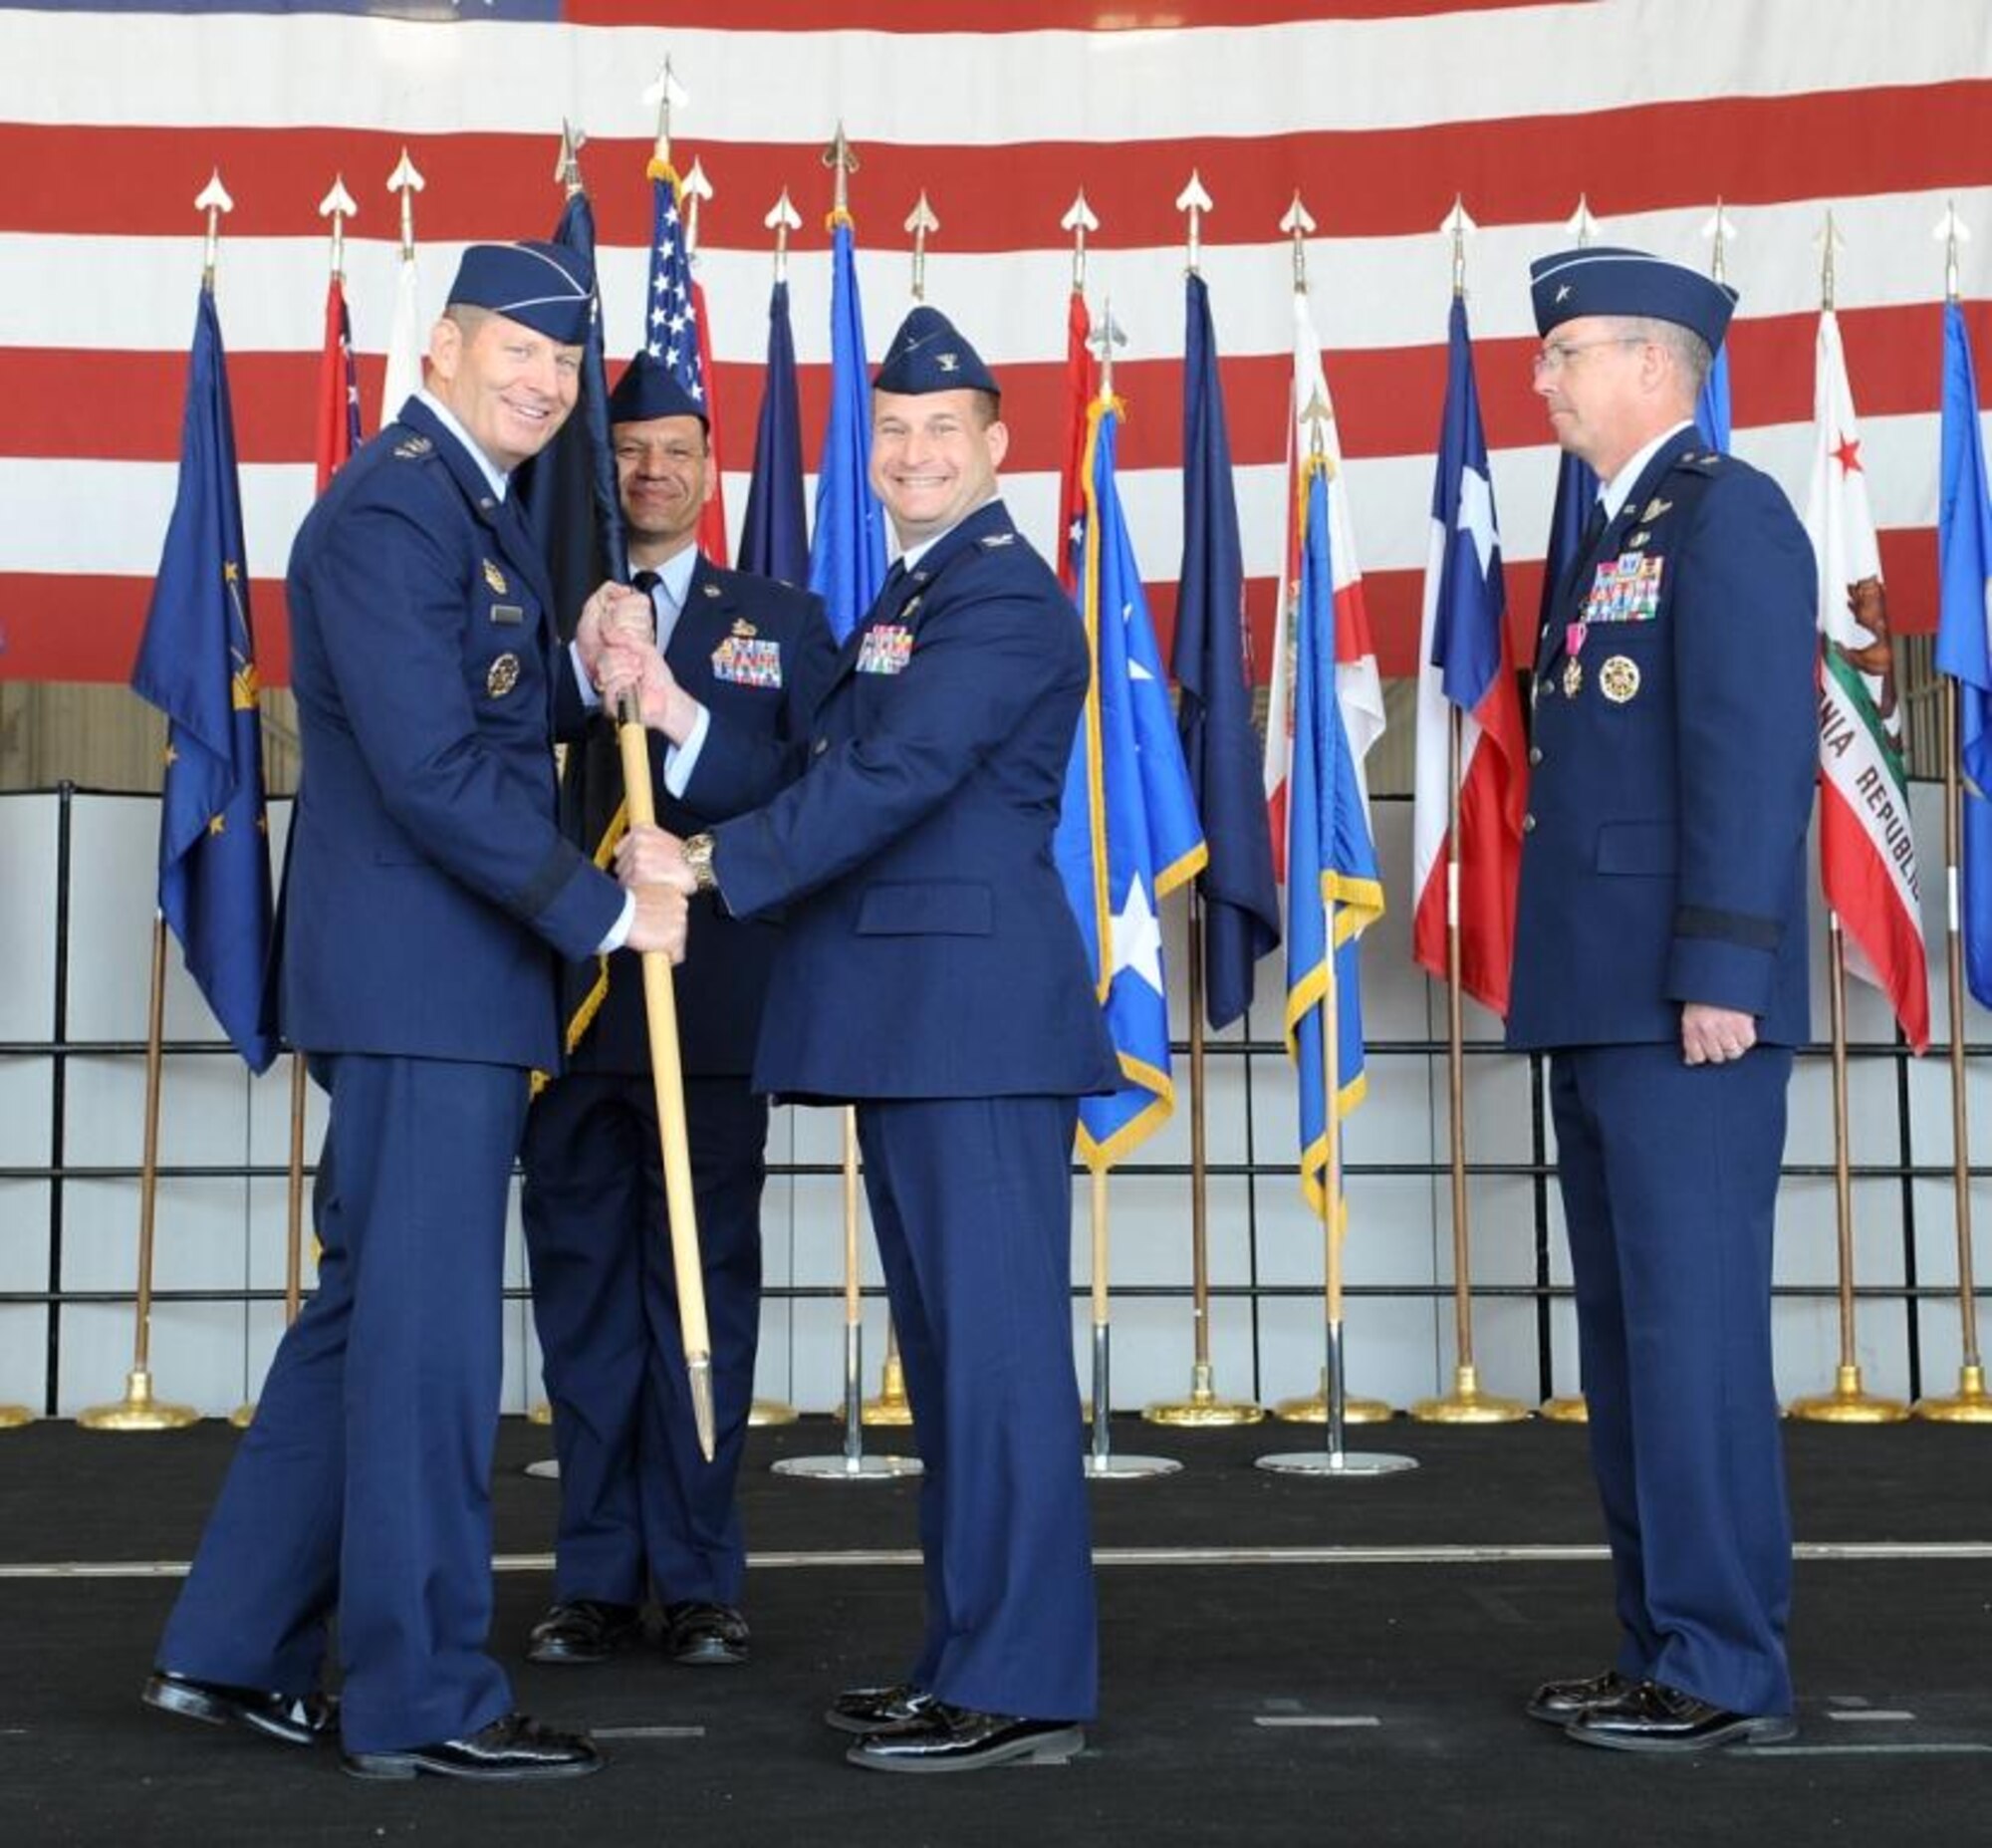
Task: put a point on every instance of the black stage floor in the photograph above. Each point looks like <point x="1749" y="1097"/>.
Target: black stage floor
<point x="1285" y="1659"/>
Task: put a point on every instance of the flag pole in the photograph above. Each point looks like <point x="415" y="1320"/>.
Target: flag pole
<point x="1102" y="1464"/>
<point x="139" y="1410"/>
<point x="1847" y="1403"/>
<point x="1969" y="1405"/>
<point x="1204" y="1409"/>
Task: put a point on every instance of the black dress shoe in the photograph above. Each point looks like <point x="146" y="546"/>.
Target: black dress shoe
<point x="293" y="1719"/>
<point x="1559" y="1702"/>
<point x="704" y="1635"/>
<point x="1652" y="1717"/>
<point x="510" y="1750"/>
<point x="958" y="1739"/>
<point x="878" y="1709"/>
<point x="582" y="1630"/>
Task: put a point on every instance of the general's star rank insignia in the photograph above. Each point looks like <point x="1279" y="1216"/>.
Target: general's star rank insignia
<point x="495" y="578"/>
<point x="503" y="676"/>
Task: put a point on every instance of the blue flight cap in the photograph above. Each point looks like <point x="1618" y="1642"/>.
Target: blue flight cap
<point x="929" y="354"/>
<point x="1600" y="280"/>
<point x="650" y="389"/>
<point x="546" y="287"/>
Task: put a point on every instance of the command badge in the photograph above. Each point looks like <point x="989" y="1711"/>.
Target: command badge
<point x="1573" y="677"/>
<point x="1618" y="679"/>
<point x="503" y="676"/>
<point x="495" y="578"/>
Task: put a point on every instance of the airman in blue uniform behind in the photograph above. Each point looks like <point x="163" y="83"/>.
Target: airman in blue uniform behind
<point x="640" y="1509"/>
<point x="427" y="895"/>
<point x="1660" y="960"/>
<point x="931" y="972"/>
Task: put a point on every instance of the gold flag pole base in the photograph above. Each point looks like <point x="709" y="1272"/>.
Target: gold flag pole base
<point x="765" y="1412"/>
<point x="12" y="1417"/>
<point x="891" y="1406"/>
<point x="1203" y="1410"/>
<point x="1969" y="1405"/>
<point x="244" y="1415"/>
<point x="1466" y="1403"/>
<point x="137" y="1409"/>
<point x="1314" y="1410"/>
<point x="539" y="1413"/>
<point x="1570" y="1411"/>
<point x="1846" y="1404"/>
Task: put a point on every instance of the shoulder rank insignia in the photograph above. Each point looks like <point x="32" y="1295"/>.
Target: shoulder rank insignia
<point x="412" y="448"/>
<point x="743" y="628"/>
<point x="495" y="578"/>
<point x="712" y="589"/>
<point x="992" y="541"/>
<point x="503" y="675"/>
<point x="1652" y="510"/>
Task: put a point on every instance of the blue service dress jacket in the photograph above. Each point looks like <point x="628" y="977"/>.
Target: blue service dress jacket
<point x="428" y="886"/>
<point x="928" y="948"/>
<point x="756" y="655"/>
<point x="1675" y="753"/>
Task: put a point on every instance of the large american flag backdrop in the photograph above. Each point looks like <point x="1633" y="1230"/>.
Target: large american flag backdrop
<point x="1378" y="111"/>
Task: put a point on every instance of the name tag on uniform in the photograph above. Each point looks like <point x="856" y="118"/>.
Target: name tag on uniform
<point x="886" y="649"/>
<point x="1625" y="589"/>
<point x="507" y="613"/>
<point x="748" y="660"/>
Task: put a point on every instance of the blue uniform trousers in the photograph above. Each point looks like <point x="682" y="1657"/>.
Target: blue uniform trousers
<point x="364" y="1484"/>
<point x="971" y="1201"/>
<point x="1670" y="1177"/>
<point x="638" y="1503"/>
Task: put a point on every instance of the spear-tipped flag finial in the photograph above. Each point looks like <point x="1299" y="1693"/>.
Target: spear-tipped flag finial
<point x="694" y="191"/>
<point x="1829" y="241"/>
<point x="567" y="170"/>
<point x="1194" y="200"/>
<point x="405" y="181"/>
<point x="1297" y="222"/>
<point x="1317" y="415"/>
<point x="212" y="199"/>
<point x="1720" y="230"/>
<point x="1106" y="336"/>
<point x="668" y="94"/>
<point x="1079" y="219"/>
<point x="842" y="158"/>
<point x="783" y="218"/>
<point x="337" y="205"/>
<point x="1459" y="226"/>
<point x="1581" y="224"/>
<point x="1950" y="231"/>
<point x="919" y="221"/>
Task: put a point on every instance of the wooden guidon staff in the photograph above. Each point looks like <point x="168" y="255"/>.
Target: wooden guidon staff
<point x="667" y="1076"/>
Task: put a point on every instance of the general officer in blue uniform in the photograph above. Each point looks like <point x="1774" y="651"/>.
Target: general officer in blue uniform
<point x="931" y="972"/>
<point x="640" y="1509"/>
<point x="427" y="895"/>
<point x="1660" y="960"/>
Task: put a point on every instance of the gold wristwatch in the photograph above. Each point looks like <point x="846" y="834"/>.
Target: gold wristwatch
<point x="698" y="856"/>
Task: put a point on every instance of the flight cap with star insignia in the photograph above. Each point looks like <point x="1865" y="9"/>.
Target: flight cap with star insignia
<point x="1602" y="279"/>
<point x="929" y="354"/>
<point x="650" y="389"/>
<point x="546" y="287"/>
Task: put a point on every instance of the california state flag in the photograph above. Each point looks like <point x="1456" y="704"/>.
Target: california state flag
<point x="1359" y="687"/>
<point x="1868" y="849"/>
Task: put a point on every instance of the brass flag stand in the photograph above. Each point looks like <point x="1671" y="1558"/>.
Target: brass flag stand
<point x="1204" y="1409"/>
<point x="139" y="1410"/>
<point x="851" y="1464"/>
<point x="1847" y="1403"/>
<point x="1102" y="1465"/>
<point x="1466" y="1403"/>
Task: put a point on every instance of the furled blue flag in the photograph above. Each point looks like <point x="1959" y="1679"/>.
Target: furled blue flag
<point x="1127" y="831"/>
<point x="1711" y="407"/>
<point x="1334" y="890"/>
<point x="1222" y="747"/>
<point x="197" y="663"/>
<point x="568" y="491"/>
<point x="1964" y="616"/>
<point x="1576" y="495"/>
<point x="847" y="541"/>
<point x="773" y="541"/>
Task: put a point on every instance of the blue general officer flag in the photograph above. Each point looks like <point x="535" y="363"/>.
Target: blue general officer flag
<point x="1127" y="831"/>
<point x="1576" y="495"/>
<point x="1711" y="407"/>
<point x="197" y="663"/>
<point x="1220" y="743"/>
<point x="773" y="540"/>
<point x="1332" y="878"/>
<point x="847" y="548"/>
<point x="1963" y="650"/>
